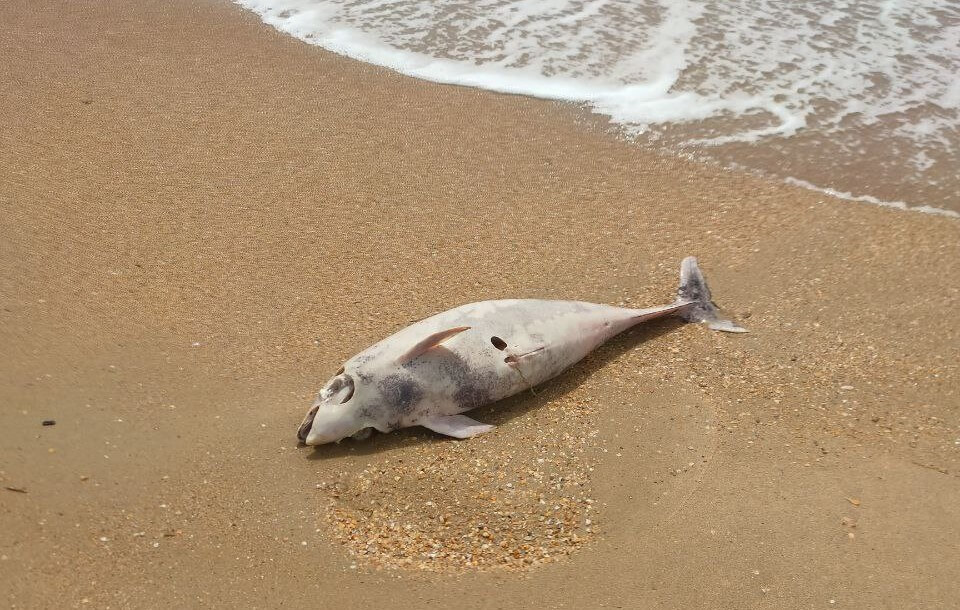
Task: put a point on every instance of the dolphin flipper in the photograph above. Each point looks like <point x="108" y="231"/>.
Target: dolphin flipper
<point x="457" y="426"/>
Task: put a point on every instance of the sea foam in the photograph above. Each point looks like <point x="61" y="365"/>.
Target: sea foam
<point x="865" y="79"/>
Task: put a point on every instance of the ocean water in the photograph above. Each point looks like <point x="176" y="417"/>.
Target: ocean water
<point x="859" y="99"/>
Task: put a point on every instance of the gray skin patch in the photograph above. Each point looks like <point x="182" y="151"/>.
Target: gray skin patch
<point x="471" y="396"/>
<point x="369" y="413"/>
<point x="400" y="393"/>
<point x="358" y="370"/>
<point x="473" y="389"/>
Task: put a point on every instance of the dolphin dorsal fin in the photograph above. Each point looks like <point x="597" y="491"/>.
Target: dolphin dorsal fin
<point x="429" y="343"/>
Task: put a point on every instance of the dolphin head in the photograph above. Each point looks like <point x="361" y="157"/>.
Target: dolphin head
<point x="336" y="413"/>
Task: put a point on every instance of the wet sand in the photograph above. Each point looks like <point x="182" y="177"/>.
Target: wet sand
<point x="202" y="218"/>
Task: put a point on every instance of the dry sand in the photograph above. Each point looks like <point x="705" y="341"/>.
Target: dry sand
<point x="202" y="218"/>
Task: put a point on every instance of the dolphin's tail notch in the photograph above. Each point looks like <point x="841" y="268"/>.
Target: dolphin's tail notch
<point x="694" y="290"/>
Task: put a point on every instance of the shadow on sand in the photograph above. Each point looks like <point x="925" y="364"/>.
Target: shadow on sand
<point x="503" y="411"/>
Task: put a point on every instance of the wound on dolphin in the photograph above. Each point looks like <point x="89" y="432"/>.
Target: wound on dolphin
<point x="431" y="372"/>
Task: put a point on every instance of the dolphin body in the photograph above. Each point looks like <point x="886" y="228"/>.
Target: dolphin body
<point x="434" y="370"/>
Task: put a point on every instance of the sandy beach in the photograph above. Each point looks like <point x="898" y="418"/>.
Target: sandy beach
<point x="202" y="218"/>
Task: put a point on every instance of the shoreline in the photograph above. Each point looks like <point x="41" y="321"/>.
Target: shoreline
<point x="574" y="93"/>
<point x="205" y="217"/>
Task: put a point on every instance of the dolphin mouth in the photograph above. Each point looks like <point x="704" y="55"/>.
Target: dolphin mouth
<point x="304" y="429"/>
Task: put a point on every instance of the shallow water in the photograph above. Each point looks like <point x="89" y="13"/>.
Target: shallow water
<point x="857" y="98"/>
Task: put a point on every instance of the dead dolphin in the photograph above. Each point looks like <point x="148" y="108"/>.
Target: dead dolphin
<point x="434" y="370"/>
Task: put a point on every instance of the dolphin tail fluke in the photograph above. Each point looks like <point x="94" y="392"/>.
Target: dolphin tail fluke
<point x="693" y="290"/>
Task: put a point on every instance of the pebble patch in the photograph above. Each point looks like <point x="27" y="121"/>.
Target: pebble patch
<point x="441" y="505"/>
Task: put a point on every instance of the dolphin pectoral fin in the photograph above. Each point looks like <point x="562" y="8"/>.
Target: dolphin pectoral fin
<point x="429" y="343"/>
<point x="457" y="426"/>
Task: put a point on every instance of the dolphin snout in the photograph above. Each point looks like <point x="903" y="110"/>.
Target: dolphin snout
<point x="304" y="429"/>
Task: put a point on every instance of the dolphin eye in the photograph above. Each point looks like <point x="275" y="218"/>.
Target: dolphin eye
<point x="498" y="343"/>
<point x="340" y="389"/>
<point x="347" y="388"/>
